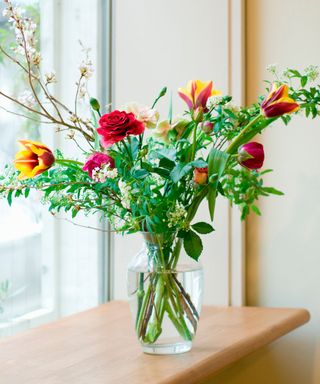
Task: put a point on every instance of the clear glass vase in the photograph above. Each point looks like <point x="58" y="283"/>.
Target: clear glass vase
<point x="165" y="289"/>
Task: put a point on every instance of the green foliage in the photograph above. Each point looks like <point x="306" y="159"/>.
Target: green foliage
<point x="243" y="187"/>
<point x="193" y="245"/>
<point x="202" y="228"/>
<point x="217" y="162"/>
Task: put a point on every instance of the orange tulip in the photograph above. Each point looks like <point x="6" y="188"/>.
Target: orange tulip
<point x="197" y="93"/>
<point x="33" y="159"/>
<point x="200" y="175"/>
<point x="278" y="102"/>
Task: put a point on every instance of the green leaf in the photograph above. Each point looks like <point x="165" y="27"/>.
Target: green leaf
<point x="303" y="80"/>
<point x="75" y="211"/>
<point x="256" y="210"/>
<point x="192" y="245"/>
<point x="140" y="173"/>
<point x="134" y="146"/>
<point x="166" y="163"/>
<point x="179" y="171"/>
<point x="162" y="172"/>
<point x="199" y="163"/>
<point x="244" y="212"/>
<point x="202" y="228"/>
<point x="96" y="136"/>
<point x="273" y="191"/>
<point x="169" y="153"/>
<point x="9" y="197"/>
<point x="217" y="161"/>
<point x="170" y="109"/>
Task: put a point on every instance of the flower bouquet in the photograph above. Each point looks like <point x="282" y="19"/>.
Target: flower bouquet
<point x="148" y="175"/>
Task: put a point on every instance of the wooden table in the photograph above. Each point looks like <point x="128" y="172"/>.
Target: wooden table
<point x="99" y="347"/>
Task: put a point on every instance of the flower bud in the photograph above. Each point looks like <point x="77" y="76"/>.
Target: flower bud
<point x="251" y="155"/>
<point x="200" y="175"/>
<point x="207" y="127"/>
<point x="163" y="92"/>
<point x="197" y="115"/>
<point x="95" y="105"/>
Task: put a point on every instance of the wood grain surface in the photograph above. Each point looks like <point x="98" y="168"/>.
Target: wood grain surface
<point x="99" y="347"/>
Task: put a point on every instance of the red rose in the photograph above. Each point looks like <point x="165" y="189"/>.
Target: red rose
<point x="96" y="160"/>
<point x="117" y="125"/>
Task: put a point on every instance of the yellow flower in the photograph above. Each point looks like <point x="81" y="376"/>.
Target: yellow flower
<point x="33" y="159"/>
<point x="197" y="93"/>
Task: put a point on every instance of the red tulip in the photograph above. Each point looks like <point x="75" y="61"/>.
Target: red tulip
<point x="251" y="155"/>
<point x="200" y="175"/>
<point x="278" y="102"/>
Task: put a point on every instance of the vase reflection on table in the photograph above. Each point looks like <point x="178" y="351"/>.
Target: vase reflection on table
<point x="165" y="291"/>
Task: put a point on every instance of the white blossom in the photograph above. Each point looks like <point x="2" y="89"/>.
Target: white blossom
<point x="86" y="68"/>
<point x="235" y="109"/>
<point x="214" y="101"/>
<point x="50" y="77"/>
<point x="125" y="191"/>
<point x="177" y="216"/>
<point x="312" y="71"/>
<point x="101" y="174"/>
<point x="26" y="98"/>
<point x="272" y="68"/>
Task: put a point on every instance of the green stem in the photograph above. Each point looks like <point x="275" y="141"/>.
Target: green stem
<point x="234" y="145"/>
<point x="143" y="309"/>
<point x="195" y="203"/>
<point x="176" y="254"/>
<point x="67" y="161"/>
<point x="154" y="324"/>
<point x="127" y="150"/>
<point x="140" y="293"/>
<point x="194" y="144"/>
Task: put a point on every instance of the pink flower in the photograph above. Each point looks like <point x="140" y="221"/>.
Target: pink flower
<point x="96" y="160"/>
<point x="251" y="155"/>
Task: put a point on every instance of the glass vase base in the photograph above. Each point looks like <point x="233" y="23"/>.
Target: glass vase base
<point x="166" y="349"/>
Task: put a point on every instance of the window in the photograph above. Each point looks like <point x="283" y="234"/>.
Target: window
<point x="48" y="267"/>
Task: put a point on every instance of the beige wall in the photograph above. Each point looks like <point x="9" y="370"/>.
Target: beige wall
<point x="283" y="246"/>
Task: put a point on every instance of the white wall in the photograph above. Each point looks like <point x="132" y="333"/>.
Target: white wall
<point x="283" y="245"/>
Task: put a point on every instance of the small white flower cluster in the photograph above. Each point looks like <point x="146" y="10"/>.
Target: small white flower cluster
<point x="214" y="101"/>
<point x="158" y="180"/>
<point x="86" y="68"/>
<point x="25" y="30"/>
<point x="50" y="77"/>
<point x="312" y="71"/>
<point x="177" y="216"/>
<point x="117" y="222"/>
<point x="235" y="109"/>
<point x="100" y="175"/>
<point x="82" y="91"/>
<point x="26" y="98"/>
<point x="272" y="68"/>
<point x="125" y="191"/>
